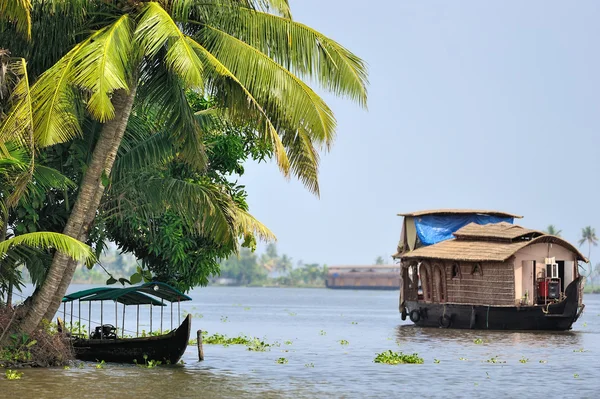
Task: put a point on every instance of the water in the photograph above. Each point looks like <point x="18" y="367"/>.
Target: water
<point x="315" y="320"/>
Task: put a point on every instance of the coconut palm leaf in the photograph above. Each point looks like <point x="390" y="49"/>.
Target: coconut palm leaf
<point x="303" y="50"/>
<point x="285" y="98"/>
<point x="304" y="159"/>
<point x="67" y="245"/>
<point x="154" y="29"/>
<point x="56" y="116"/>
<point x="18" y="12"/>
<point x="18" y="123"/>
<point x="249" y="225"/>
<point x="153" y="150"/>
<point x="102" y="65"/>
<point x="240" y="102"/>
<point x="162" y="94"/>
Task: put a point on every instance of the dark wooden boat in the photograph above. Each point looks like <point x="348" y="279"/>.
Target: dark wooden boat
<point x="167" y="348"/>
<point x="474" y="269"/>
<point x="104" y="344"/>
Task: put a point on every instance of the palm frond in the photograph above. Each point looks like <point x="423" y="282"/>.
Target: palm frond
<point x="18" y="123"/>
<point x="102" y="65"/>
<point x="18" y="12"/>
<point x="286" y="99"/>
<point x="19" y="126"/>
<point x="55" y="102"/>
<point x="301" y="49"/>
<point x="153" y="150"/>
<point x="47" y="178"/>
<point x="67" y="245"/>
<point x="154" y="30"/>
<point x="164" y="96"/>
<point x="304" y="159"/>
<point x="238" y="99"/>
<point x="248" y="224"/>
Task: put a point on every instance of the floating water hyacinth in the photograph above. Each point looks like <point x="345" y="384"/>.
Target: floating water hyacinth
<point x="393" y="358"/>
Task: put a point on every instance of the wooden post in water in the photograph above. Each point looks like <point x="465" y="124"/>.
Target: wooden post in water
<point x="200" y="348"/>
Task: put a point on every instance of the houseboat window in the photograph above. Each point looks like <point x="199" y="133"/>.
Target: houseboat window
<point x="455" y="271"/>
<point x="477" y="269"/>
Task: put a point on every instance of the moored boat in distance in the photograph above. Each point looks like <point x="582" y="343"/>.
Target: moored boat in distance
<point x="104" y="343"/>
<point x="370" y="277"/>
<point x="476" y="269"/>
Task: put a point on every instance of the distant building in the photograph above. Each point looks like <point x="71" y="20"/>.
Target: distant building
<point x="373" y="277"/>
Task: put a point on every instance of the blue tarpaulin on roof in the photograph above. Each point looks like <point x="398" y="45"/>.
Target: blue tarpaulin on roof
<point x="432" y="229"/>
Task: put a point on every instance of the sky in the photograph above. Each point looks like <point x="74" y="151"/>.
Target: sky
<point x="488" y="105"/>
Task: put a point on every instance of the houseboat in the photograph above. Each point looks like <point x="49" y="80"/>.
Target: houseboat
<point x="373" y="277"/>
<point x="476" y="269"/>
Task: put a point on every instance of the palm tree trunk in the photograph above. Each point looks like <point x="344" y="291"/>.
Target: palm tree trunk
<point x="47" y="300"/>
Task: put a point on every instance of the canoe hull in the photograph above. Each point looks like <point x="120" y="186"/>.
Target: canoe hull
<point x="167" y="348"/>
<point x="558" y="316"/>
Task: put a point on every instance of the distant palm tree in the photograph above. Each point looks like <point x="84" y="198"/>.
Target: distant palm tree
<point x="553" y="231"/>
<point x="588" y="234"/>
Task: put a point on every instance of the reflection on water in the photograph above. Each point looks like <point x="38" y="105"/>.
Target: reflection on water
<point x="508" y="340"/>
<point x="309" y="324"/>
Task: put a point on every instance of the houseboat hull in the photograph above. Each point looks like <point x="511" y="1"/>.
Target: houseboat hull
<point x="167" y="348"/>
<point x="558" y="316"/>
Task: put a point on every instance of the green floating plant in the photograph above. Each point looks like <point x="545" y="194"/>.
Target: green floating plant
<point x="13" y="375"/>
<point x="391" y="357"/>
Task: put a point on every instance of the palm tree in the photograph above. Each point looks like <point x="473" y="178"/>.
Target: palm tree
<point x="20" y="177"/>
<point x="588" y="235"/>
<point x="552" y="230"/>
<point x="248" y="58"/>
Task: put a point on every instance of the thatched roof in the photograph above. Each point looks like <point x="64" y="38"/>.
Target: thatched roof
<point x="482" y="251"/>
<point x="495" y="231"/>
<point x="459" y="212"/>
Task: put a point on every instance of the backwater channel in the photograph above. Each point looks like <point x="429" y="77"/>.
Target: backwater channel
<point x="309" y="325"/>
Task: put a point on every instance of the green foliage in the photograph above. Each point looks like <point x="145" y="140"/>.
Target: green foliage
<point x="148" y="364"/>
<point x="220" y="339"/>
<point x="494" y="359"/>
<point x="170" y="200"/>
<point x="13" y="375"/>
<point x="100" y="365"/>
<point x="281" y="360"/>
<point x="523" y="360"/>
<point x="391" y="357"/>
<point x="343" y="342"/>
<point x="309" y="365"/>
<point x="17" y="350"/>
<point x="258" y="345"/>
<point x="478" y="341"/>
<point x="250" y="269"/>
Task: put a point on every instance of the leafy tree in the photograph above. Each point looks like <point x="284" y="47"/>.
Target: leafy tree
<point x="244" y="269"/>
<point x="380" y="260"/>
<point x="552" y="230"/>
<point x="239" y="54"/>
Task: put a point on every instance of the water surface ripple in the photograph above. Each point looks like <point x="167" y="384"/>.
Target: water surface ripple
<point x="309" y="325"/>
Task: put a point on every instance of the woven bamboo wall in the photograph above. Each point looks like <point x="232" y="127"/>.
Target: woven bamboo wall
<point x="494" y="286"/>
